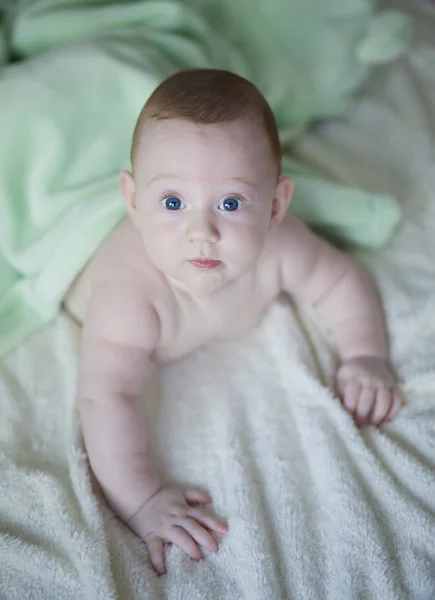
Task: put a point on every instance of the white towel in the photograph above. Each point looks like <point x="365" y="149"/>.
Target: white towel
<point x="316" y="509"/>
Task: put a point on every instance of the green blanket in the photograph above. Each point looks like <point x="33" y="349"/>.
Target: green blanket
<point x="75" y="74"/>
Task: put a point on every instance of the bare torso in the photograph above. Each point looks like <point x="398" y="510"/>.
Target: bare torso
<point x="186" y="323"/>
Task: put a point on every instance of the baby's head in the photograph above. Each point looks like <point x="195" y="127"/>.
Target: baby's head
<point x="205" y="187"/>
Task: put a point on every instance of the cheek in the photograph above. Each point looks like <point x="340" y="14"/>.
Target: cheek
<point x="250" y="223"/>
<point x="246" y="237"/>
<point x="160" y="226"/>
<point x="160" y="241"/>
<point x="160" y="251"/>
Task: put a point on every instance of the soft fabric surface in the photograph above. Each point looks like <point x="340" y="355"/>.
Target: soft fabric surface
<point x="316" y="509"/>
<point x="82" y="71"/>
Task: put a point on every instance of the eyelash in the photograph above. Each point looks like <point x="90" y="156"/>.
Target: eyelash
<point x="165" y="195"/>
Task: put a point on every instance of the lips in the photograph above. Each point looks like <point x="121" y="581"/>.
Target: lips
<point x="201" y="263"/>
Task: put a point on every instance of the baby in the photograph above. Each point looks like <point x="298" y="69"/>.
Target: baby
<point x="208" y="245"/>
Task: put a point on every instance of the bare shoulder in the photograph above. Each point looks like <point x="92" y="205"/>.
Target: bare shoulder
<point x="122" y="265"/>
<point x="302" y="256"/>
<point x="118" y="265"/>
<point x="280" y="247"/>
<point x="123" y="290"/>
<point x="121" y="328"/>
<point x="291" y="239"/>
<point x="121" y="252"/>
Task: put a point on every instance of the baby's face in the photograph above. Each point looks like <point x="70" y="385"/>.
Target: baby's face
<point x="202" y="198"/>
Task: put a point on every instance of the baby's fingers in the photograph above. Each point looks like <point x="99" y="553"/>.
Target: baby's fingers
<point x="181" y="538"/>
<point x="197" y="497"/>
<point x="155" y="549"/>
<point x="382" y="407"/>
<point x="210" y="522"/>
<point x="350" y="396"/>
<point x="365" y="404"/>
<point x="396" y="405"/>
<point x="199" y="534"/>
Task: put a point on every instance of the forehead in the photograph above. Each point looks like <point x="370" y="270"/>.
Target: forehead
<point x="180" y="145"/>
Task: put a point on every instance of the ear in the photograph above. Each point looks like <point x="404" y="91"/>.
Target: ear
<point x="128" y="191"/>
<point x="281" y="201"/>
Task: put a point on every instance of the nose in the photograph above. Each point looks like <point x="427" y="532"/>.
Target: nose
<point x="203" y="230"/>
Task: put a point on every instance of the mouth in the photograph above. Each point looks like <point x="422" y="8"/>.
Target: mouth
<point x="205" y="264"/>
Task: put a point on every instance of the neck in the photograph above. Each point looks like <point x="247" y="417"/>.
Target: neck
<point x="197" y="296"/>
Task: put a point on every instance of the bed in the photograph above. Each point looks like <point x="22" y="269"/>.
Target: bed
<point x="316" y="508"/>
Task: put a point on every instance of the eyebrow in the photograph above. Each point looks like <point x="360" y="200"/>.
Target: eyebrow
<point x="245" y="181"/>
<point x="167" y="176"/>
<point x="157" y="177"/>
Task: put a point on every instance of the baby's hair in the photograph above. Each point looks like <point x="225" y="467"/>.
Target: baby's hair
<point x="208" y="96"/>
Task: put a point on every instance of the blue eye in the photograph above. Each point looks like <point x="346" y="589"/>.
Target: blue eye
<point x="172" y="203"/>
<point x="230" y="204"/>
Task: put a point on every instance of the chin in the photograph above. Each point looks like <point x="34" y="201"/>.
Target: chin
<point x="205" y="285"/>
<point x="202" y="283"/>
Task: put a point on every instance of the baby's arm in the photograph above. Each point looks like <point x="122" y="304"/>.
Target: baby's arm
<point x="350" y="307"/>
<point x="120" y="332"/>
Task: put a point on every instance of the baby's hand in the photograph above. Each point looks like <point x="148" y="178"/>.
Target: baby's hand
<point x="170" y="515"/>
<point x="368" y="390"/>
